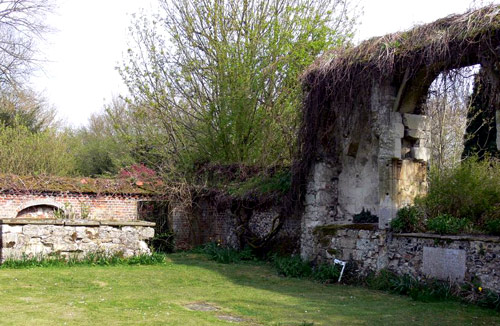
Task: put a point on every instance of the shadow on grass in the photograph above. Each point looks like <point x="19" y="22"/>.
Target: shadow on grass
<point x="331" y="304"/>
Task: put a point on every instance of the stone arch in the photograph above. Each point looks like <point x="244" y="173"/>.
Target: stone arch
<point x="44" y="208"/>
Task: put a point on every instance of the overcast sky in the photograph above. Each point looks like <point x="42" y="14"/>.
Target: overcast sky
<point x="90" y="37"/>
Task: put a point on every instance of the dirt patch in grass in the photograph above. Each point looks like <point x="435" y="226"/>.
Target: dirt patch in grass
<point x="201" y="306"/>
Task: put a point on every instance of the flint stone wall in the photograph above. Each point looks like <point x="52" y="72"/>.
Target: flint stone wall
<point x="36" y="238"/>
<point x="454" y="258"/>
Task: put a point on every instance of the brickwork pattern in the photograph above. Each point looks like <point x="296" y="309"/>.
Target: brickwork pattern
<point x="87" y="206"/>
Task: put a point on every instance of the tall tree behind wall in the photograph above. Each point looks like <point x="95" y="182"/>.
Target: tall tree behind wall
<point x="102" y="147"/>
<point x="447" y="106"/>
<point x="218" y="80"/>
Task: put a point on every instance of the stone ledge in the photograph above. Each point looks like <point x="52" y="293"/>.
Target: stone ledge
<point x="25" y="221"/>
<point x="465" y="237"/>
<point x="128" y="223"/>
<point x="81" y="223"/>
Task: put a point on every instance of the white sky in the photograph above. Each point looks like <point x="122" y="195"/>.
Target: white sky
<point x="90" y="37"/>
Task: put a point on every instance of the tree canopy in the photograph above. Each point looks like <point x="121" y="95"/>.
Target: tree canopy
<point x="218" y="80"/>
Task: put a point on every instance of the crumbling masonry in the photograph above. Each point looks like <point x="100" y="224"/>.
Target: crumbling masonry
<point x="365" y="143"/>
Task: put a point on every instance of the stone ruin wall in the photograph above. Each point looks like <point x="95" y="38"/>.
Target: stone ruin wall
<point x="381" y="170"/>
<point x="66" y="238"/>
<point x="92" y="223"/>
<point x="455" y="258"/>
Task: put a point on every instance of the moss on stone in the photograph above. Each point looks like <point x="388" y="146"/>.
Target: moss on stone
<point x="48" y="183"/>
<point x="333" y="228"/>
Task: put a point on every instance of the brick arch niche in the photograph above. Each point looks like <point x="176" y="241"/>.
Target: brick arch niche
<point x="42" y="209"/>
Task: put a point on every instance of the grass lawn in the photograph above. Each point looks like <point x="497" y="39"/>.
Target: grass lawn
<point x="242" y="294"/>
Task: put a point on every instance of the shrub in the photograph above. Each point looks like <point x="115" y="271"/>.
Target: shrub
<point x="489" y="299"/>
<point x="365" y="217"/>
<point x="491" y="221"/>
<point x="469" y="190"/>
<point x="492" y="226"/>
<point x="326" y="273"/>
<point x="408" y="219"/>
<point x="226" y="255"/>
<point x="292" y="266"/>
<point x="433" y="290"/>
<point x="382" y="281"/>
<point x="447" y="224"/>
<point x="279" y="182"/>
<point x="406" y="285"/>
<point x="163" y="242"/>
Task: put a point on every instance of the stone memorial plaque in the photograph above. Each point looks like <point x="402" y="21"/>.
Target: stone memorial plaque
<point x="444" y="264"/>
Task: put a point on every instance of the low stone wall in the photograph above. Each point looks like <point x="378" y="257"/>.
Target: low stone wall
<point x="35" y="237"/>
<point x="363" y="244"/>
<point x="458" y="258"/>
<point x="454" y="258"/>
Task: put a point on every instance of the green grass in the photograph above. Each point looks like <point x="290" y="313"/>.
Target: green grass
<point x="157" y="295"/>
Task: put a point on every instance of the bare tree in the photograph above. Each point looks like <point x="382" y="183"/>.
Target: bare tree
<point x="21" y="24"/>
<point x="448" y="105"/>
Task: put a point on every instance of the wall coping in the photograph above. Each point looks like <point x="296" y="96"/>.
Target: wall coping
<point x="28" y="221"/>
<point x="465" y="237"/>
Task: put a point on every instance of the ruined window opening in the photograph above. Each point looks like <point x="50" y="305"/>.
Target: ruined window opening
<point x="447" y="105"/>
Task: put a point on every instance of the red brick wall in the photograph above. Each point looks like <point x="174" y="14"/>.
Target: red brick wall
<point x="93" y="207"/>
<point x="206" y="222"/>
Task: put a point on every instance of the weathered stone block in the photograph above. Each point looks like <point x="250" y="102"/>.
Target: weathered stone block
<point x="365" y="244"/>
<point x="9" y="239"/>
<point x="347" y="243"/>
<point x="417" y="134"/>
<point x="398" y="130"/>
<point x="416" y="121"/>
<point x="33" y="230"/>
<point x="323" y="198"/>
<point x="444" y="264"/>
<point x="397" y="149"/>
<point x="364" y="234"/>
<point x="146" y="233"/>
<point x="421" y="153"/>
<point x="396" y="117"/>
<point x="11" y="228"/>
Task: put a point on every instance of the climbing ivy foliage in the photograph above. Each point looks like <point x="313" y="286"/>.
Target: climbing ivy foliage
<point x="218" y="80"/>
